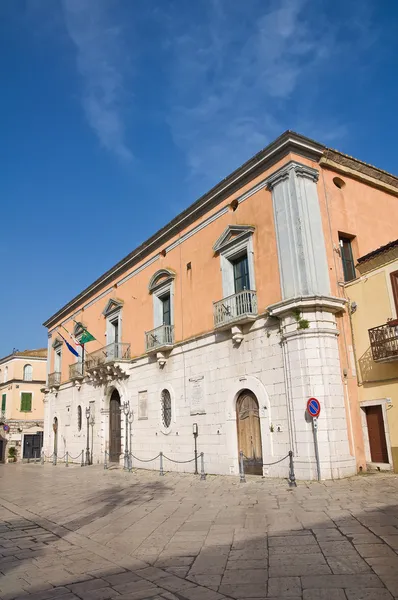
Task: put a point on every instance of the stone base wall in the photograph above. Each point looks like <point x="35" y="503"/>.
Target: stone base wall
<point x="204" y="378"/>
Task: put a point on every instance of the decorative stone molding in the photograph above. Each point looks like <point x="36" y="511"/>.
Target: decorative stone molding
<point x="161" y="278"/>
<point x="329" y="303"/>
<point x="112" y="306"/>
<point x="232" y="235"/>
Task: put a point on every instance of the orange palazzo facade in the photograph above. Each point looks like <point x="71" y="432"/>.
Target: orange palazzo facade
<point x="225" y="322"/>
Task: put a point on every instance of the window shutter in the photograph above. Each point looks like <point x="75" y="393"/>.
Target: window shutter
<point x="3" y="402"/>
<point x="26" y="402"/>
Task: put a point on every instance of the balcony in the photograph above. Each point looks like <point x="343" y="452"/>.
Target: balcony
<point x="160" y="338"/>
<point x="235" y="310"/>
<point x="116" y="352"/>
<point x="384" y="342"/>
<point x="54" y="379"/>
<point x="76" y="371"/>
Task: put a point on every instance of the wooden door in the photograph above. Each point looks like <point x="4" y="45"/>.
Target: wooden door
<point x="377" y="436"/>
<point x="115" y="446"/>
<point x="249" y="432"/>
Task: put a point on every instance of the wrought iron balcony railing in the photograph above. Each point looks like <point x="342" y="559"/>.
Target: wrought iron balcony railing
<point x="384" y="342"/>
<point x="111" y="353"/>
<point x="160" y="337"/>
<point x="54" y="379"/>
<point x="76" y="371"/>
<point x="239" y="307"/>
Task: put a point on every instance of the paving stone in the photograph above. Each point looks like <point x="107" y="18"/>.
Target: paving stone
<point x="373" y="550"/>
<point x="120" y="578"/>
<point x="284" y="586"/>
<point x="100" y="594"/>
<point x="291" y="540"/>
<point x="244" y="591"/>
<point x="376" y="594"/>
<point x="86" y="586"/>
<point x="324" y="594"/>
<point x="246" y="564"/>
<point x="347" y="565"/>
<point x="391" y="583"/>
<point x="341" y="581"/>
<point x="243" y="577"/>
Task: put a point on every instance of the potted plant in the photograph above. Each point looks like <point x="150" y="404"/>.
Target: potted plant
<point x="12" y="454"/>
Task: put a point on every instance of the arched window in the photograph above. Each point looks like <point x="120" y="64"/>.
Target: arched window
<point x="166" y="408"/>
<point x="79" y="418"/>
<point x="5" y="374"/>
<point x="28" y="373"/>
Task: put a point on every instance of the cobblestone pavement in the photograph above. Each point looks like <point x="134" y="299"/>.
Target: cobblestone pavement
<point x="71" y="533"/>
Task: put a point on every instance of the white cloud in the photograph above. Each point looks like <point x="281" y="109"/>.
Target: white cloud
<point x="243" y="73"/>
<point x="102" y="64"/>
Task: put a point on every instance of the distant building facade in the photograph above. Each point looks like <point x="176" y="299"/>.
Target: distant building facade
<point x="229" y="319"/>
<point x="22" y="378"/>
<point x="374" y="312"/>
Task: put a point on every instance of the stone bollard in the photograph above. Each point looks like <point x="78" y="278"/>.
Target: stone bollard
<point x="161" y="472"/>
<point x="42" y="457"/>
<point x="66" y="459"/>
<point x="242" y="478"/>
<point x="292" y="477"/>
<point x="202" y="467"/>
<point x="82" y="463"/>
<point x="105" y="460"/>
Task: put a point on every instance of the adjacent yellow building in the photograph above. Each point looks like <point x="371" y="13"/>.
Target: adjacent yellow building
<point x="22" y="376"/>
<point x="373" y="300"/>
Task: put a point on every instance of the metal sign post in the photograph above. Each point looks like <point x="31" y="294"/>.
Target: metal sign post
<point x="314" y="409"/>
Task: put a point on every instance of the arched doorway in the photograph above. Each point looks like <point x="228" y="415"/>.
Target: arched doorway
<point x="115" y="446"/>
<point x="55" y="429"/>
<point x="249" y="432"/>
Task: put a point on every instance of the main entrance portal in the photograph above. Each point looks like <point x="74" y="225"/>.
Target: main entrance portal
<point x="249" y="432"/>
<point x="115" y="446"/>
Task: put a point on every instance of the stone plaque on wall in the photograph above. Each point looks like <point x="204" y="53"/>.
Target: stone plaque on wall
<point x="197" y="394"/>
<point x="143" y="404"/>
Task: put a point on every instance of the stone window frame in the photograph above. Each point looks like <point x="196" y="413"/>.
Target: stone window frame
<point x="230" y="248"/>
<point x="31" y="401"/>
<point x="160" y="284"/>
<point x="29" y="376"/>
<point x="166" y="430"/>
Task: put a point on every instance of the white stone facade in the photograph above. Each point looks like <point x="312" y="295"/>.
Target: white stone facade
<point x="258" y="364"/>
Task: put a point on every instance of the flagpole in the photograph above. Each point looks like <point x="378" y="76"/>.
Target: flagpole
<point x="82" y="359"/>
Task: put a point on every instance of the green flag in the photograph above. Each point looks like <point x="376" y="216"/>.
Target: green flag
<point x="86" y="337"/>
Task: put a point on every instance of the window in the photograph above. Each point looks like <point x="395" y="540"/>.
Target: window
<point x="3" y="403"/>
<point x="347" y="259"/>
<point x="27" y="373"/>
<point x="161" y="286"/>
<point x="166" y="309"/>
<point x="57" y="360"/>
<point x="394" y="285"/>
<point x="241" y="273"/>
<point x="166" y="408"/>
<point x="5" y="374"/>
<point x="26" y="401"/>
<point x="79" y="418"/>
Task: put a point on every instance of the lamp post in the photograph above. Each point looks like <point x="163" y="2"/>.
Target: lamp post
<point x="88" y="436"/>
<point x="130" y="420"/>
<point x="195" y="437"/>
<point x="126" y="410"/>
<point x="92" y="423"/>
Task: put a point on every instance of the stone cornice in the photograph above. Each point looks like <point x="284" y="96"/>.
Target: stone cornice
<point x="284" y="172"/>
<point x="328" y="303"/>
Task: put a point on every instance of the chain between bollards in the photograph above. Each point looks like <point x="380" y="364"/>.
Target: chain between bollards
<point x="292" y="477"/>
<point x="161" y="472"/>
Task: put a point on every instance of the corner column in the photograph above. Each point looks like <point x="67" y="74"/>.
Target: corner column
<point x="308" y="326"/>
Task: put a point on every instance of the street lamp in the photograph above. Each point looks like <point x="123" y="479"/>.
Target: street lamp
<point x="126" y="410"/>
<point x="92" y="423"/>
<point x="88" y="436"/>
<point x="130" y="419"/>
<point x="195" y="437"/>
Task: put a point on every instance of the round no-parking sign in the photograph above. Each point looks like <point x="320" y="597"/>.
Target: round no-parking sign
<point x="313" y="407"/>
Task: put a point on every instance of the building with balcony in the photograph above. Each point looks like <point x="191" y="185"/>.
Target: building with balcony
<point x="373" y="298"/>
<point x="228" y="320"/>
<point x="22" y="377"/>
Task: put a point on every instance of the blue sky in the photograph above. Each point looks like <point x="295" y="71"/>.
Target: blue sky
<point x="117" y="114"/>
